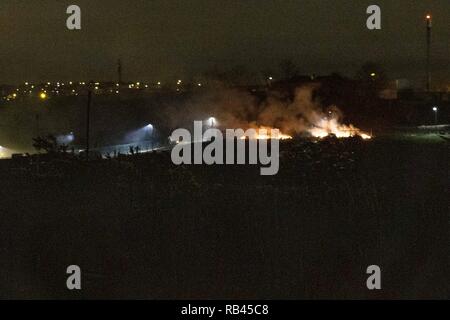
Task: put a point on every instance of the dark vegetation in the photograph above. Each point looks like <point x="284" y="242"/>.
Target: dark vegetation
<point x="140" y="227"/>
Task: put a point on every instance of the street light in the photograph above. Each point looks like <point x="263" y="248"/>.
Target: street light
<point x="429" y="26"/>
<point x="149" y="129"/>
<point x="435" y="110"/>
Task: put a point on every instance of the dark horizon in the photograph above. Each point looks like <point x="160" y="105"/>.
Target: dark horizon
<point x="164" y="41"/>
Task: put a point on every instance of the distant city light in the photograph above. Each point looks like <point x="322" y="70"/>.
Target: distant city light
<point x="435" y="109"/>
<point x="373" y="74"/>
<point x="43" y="95"/>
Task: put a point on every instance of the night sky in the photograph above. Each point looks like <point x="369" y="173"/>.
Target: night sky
<point x="165" y="40"/>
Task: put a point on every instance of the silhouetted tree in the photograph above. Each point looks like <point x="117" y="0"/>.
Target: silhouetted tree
<point x="49" y="144"/>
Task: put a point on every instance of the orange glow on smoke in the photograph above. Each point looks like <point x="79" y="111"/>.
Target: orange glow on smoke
<point x="325" y="127"/>
<point x="265" y="133"/>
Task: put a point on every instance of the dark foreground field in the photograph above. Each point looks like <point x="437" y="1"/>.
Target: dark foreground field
<point x="140" y="227"/>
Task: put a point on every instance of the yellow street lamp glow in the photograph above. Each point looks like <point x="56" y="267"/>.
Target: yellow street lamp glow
<point x="43" y="95"/>
<point x="373" y="74"/>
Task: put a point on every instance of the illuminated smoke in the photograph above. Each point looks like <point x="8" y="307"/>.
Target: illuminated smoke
<point x="301" y="115"/>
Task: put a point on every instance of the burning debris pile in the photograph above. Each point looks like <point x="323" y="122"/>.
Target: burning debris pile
<point x="327" y="127"/>
<point x="302" y="115"/>
<point x="305" y="116"/>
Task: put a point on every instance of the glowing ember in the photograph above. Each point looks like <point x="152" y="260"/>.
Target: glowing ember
<point x="331" y="126"/>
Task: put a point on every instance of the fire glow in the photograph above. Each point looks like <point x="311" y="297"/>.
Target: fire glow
<point x="266" y="133"/>
<point x="325" y="127"/>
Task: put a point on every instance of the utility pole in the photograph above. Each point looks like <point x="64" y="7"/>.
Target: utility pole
<point x="37" y="125"/>
<point x="429" y="25"/>
<point x="119" y="71"/>
<point x="88" y="115"/>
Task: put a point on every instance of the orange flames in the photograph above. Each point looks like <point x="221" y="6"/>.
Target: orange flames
<point x="325" y="127"/>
